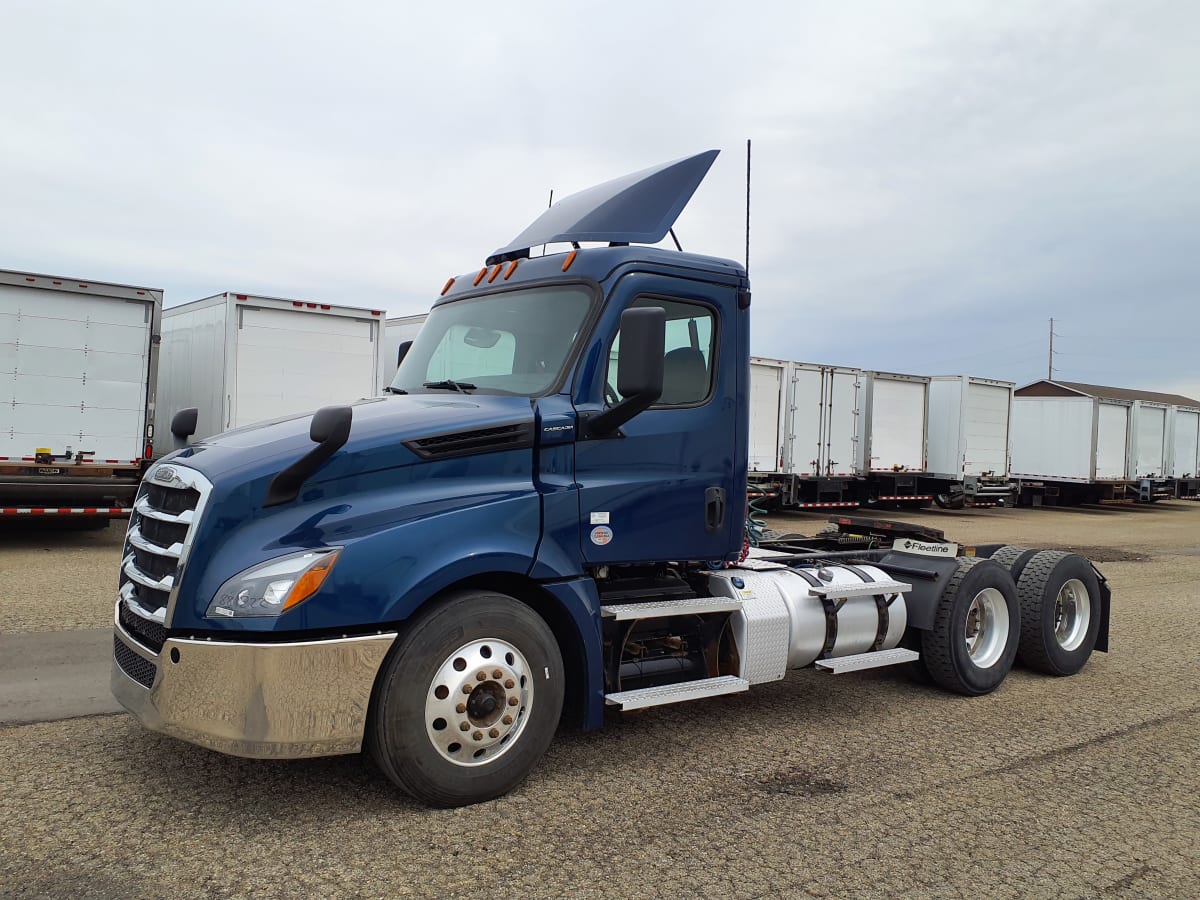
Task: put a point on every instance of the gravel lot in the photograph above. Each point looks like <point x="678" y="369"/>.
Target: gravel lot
<point x="862" y="785"/>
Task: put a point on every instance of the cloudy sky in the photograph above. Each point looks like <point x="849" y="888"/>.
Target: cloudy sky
<point x="932" y="181"/>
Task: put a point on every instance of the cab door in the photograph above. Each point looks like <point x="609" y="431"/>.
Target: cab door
<point x="666" y="486"/>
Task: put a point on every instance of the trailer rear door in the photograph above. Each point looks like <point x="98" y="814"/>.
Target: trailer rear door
<point x="985" y="428"/>
<point x="1112" y="441"/>
<point x="74" y="370"/>
<point x="296" y="361"/>
<point x="1187" y="443"/>
<point x="766" y="394"/>
<point x="1151" y="440"/>
<point x="803" y="420"/>
<point x="839" y="442"/>
<point x="897" y="425"/>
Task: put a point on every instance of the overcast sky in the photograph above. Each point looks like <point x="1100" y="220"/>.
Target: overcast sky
<point x="932" y="181"/>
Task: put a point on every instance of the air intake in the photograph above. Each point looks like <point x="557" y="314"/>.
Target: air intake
<point x="467" y="443"/>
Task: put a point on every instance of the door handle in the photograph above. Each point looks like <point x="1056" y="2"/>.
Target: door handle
<point x="714" y="508"/>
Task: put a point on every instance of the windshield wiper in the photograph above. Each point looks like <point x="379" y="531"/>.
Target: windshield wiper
<point x="392" y="390"/>
<point x="461" y="386"/>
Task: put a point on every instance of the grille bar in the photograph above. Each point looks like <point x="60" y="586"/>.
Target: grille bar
<point x="135" y="538"/>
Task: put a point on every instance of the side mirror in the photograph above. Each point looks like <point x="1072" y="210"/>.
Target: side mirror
<point x="403" y="352"/>
<point x="183" y="423"/>
<point x="639" y="367"/>
<point x="330" y="429"/>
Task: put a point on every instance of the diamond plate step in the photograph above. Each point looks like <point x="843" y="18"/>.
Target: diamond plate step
<point x="860" y="661"/>
<point x="841" y="591"/>
<point x="677" y="693"/>
<point x="658" y="609"/>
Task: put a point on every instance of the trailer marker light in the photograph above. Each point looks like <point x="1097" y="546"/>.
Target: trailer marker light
<point x="479" y="277"/>
<point x="240" y="296"/>
<point x="83" y="285"/>
<point x="512" y="267"/>
<point x="377" y="312"/>
<point x="56" y="282"/>
<point x="570" y="259"/>
<point x="149" y="452"/>
<point x="31" y="279"/>
<point x="312" y="306"/>
<point x="495" y="272"/>
<point x="298" y="303"/>
<point x="324" y="306"/>
<point x="449" y="284"/>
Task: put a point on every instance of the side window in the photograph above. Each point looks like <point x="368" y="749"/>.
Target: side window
<point x="687" y="364"/>
<point x="466" y="352"/>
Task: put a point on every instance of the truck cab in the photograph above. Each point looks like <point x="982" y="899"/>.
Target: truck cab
<point x="543" y="517"/>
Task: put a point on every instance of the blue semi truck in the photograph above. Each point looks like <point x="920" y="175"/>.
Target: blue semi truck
<point x="542" y="520"/>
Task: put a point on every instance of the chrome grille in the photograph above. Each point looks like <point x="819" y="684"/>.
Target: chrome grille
<point x="169" y="503"/>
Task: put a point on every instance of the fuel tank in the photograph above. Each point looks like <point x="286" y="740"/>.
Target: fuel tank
<point x="793" y="616"/>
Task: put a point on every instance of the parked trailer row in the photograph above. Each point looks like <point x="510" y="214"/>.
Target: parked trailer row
<point x="1080" y="443"/>
<point x="829" y="436"/>
<point x="81" y="380"/>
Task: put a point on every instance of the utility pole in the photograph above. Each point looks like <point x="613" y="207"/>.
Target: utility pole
<point x="1050" y="361"/>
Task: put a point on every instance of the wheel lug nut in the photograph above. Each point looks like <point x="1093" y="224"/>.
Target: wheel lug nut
<point x="478" y="735"/>
<point x="481" y="676"/>
<point x="466" y="689"/>
<point x="507" y="720"/>
<point x="461" y="708"/>
<point x="509" y="683"/>
<point x="497" y="674"/>
<point x="465" y="726"/>
<point x="513" y="701"/>
<point x="495" y="732"/>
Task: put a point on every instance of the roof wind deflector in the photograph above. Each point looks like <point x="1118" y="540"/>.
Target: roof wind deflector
<point x="634" y="209"/>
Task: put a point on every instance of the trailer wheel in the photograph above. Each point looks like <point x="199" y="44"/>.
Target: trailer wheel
<point x="1060" y="612"/>
<point x="1014" y="559"/>
<point x="976" y="626"/>
<point x="468" y="700"/>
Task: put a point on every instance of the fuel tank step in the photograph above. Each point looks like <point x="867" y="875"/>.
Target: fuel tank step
<point x="677" y="693"/>
<point x="657" y="609"/>
<point x="860" y="661"/>
<point x="870" y="588"/>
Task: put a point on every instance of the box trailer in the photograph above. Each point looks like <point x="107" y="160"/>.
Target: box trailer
<point x="892" y="440"/>
<point x="970" y="420"/>
<point x="78" y="365"/>
<point x="1071" y="449"/>
<point x="1185" y="452"/>
<point x="240" y="358"/>
<point x="399" y="330"/>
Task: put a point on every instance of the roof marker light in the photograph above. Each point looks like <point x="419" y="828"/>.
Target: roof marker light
<point x="495" y="272"/>
<point x="570" y="259"/>
<point x="479" y="277"/>
<point x="449" y="284"/>
<point x="512" y="267"/>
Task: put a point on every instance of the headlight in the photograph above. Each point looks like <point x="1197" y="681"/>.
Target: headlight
<point x="270" y="588"/>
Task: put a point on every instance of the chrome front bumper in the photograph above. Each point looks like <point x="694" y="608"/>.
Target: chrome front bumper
<point x="268" y="701"/>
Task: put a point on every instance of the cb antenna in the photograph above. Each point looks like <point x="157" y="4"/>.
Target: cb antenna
<point x="747" y="206"/>
<point x="548" y="205"/>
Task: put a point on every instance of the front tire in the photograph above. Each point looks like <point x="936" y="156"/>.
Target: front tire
<point x="973" y="642"/>
<point x="468" y="700"/>
<point x="1060" y="612"/>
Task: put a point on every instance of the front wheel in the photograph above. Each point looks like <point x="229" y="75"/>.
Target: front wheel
<point x="973" y="642"/>
<point x="468" y="701"/>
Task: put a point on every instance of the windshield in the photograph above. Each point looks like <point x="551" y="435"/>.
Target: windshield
<point x="515" y="342"/>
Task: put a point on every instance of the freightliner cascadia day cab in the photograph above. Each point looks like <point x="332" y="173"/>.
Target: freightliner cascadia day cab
<point x="78" y="366"/>
<point x="542" y="519"/>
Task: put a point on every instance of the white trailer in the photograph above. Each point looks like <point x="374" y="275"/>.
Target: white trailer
<point x="1071" y="449"/>
<point x="400" y="330"/>
<point x="78" y="366"/>
<point x="1185" y="452"/>
<point x="241" y="358"/>
<point x="892" y="440"/>
<point x="969" y="436"/>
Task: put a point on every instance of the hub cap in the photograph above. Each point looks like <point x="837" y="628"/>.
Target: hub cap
<point x="986" y="630"/>
<point x="478" y="702"/>
<point x="1072" y="614"/>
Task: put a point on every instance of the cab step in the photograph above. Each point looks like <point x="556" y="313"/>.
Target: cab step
<point x="870" y="588"/>
<point x="677" y="693"/>
<point x="859" y="661"/>
<point x="657" y="609"/>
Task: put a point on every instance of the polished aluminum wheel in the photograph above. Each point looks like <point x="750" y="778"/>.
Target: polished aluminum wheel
<point x="1072" y="614"/>
<point x="479" y="701"/>
<point x="986" y="630"/>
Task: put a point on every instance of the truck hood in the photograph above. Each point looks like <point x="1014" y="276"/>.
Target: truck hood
<point x="386" y="432"/>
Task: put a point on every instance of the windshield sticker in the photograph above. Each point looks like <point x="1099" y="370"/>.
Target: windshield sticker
<point x="601" y="535"/>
